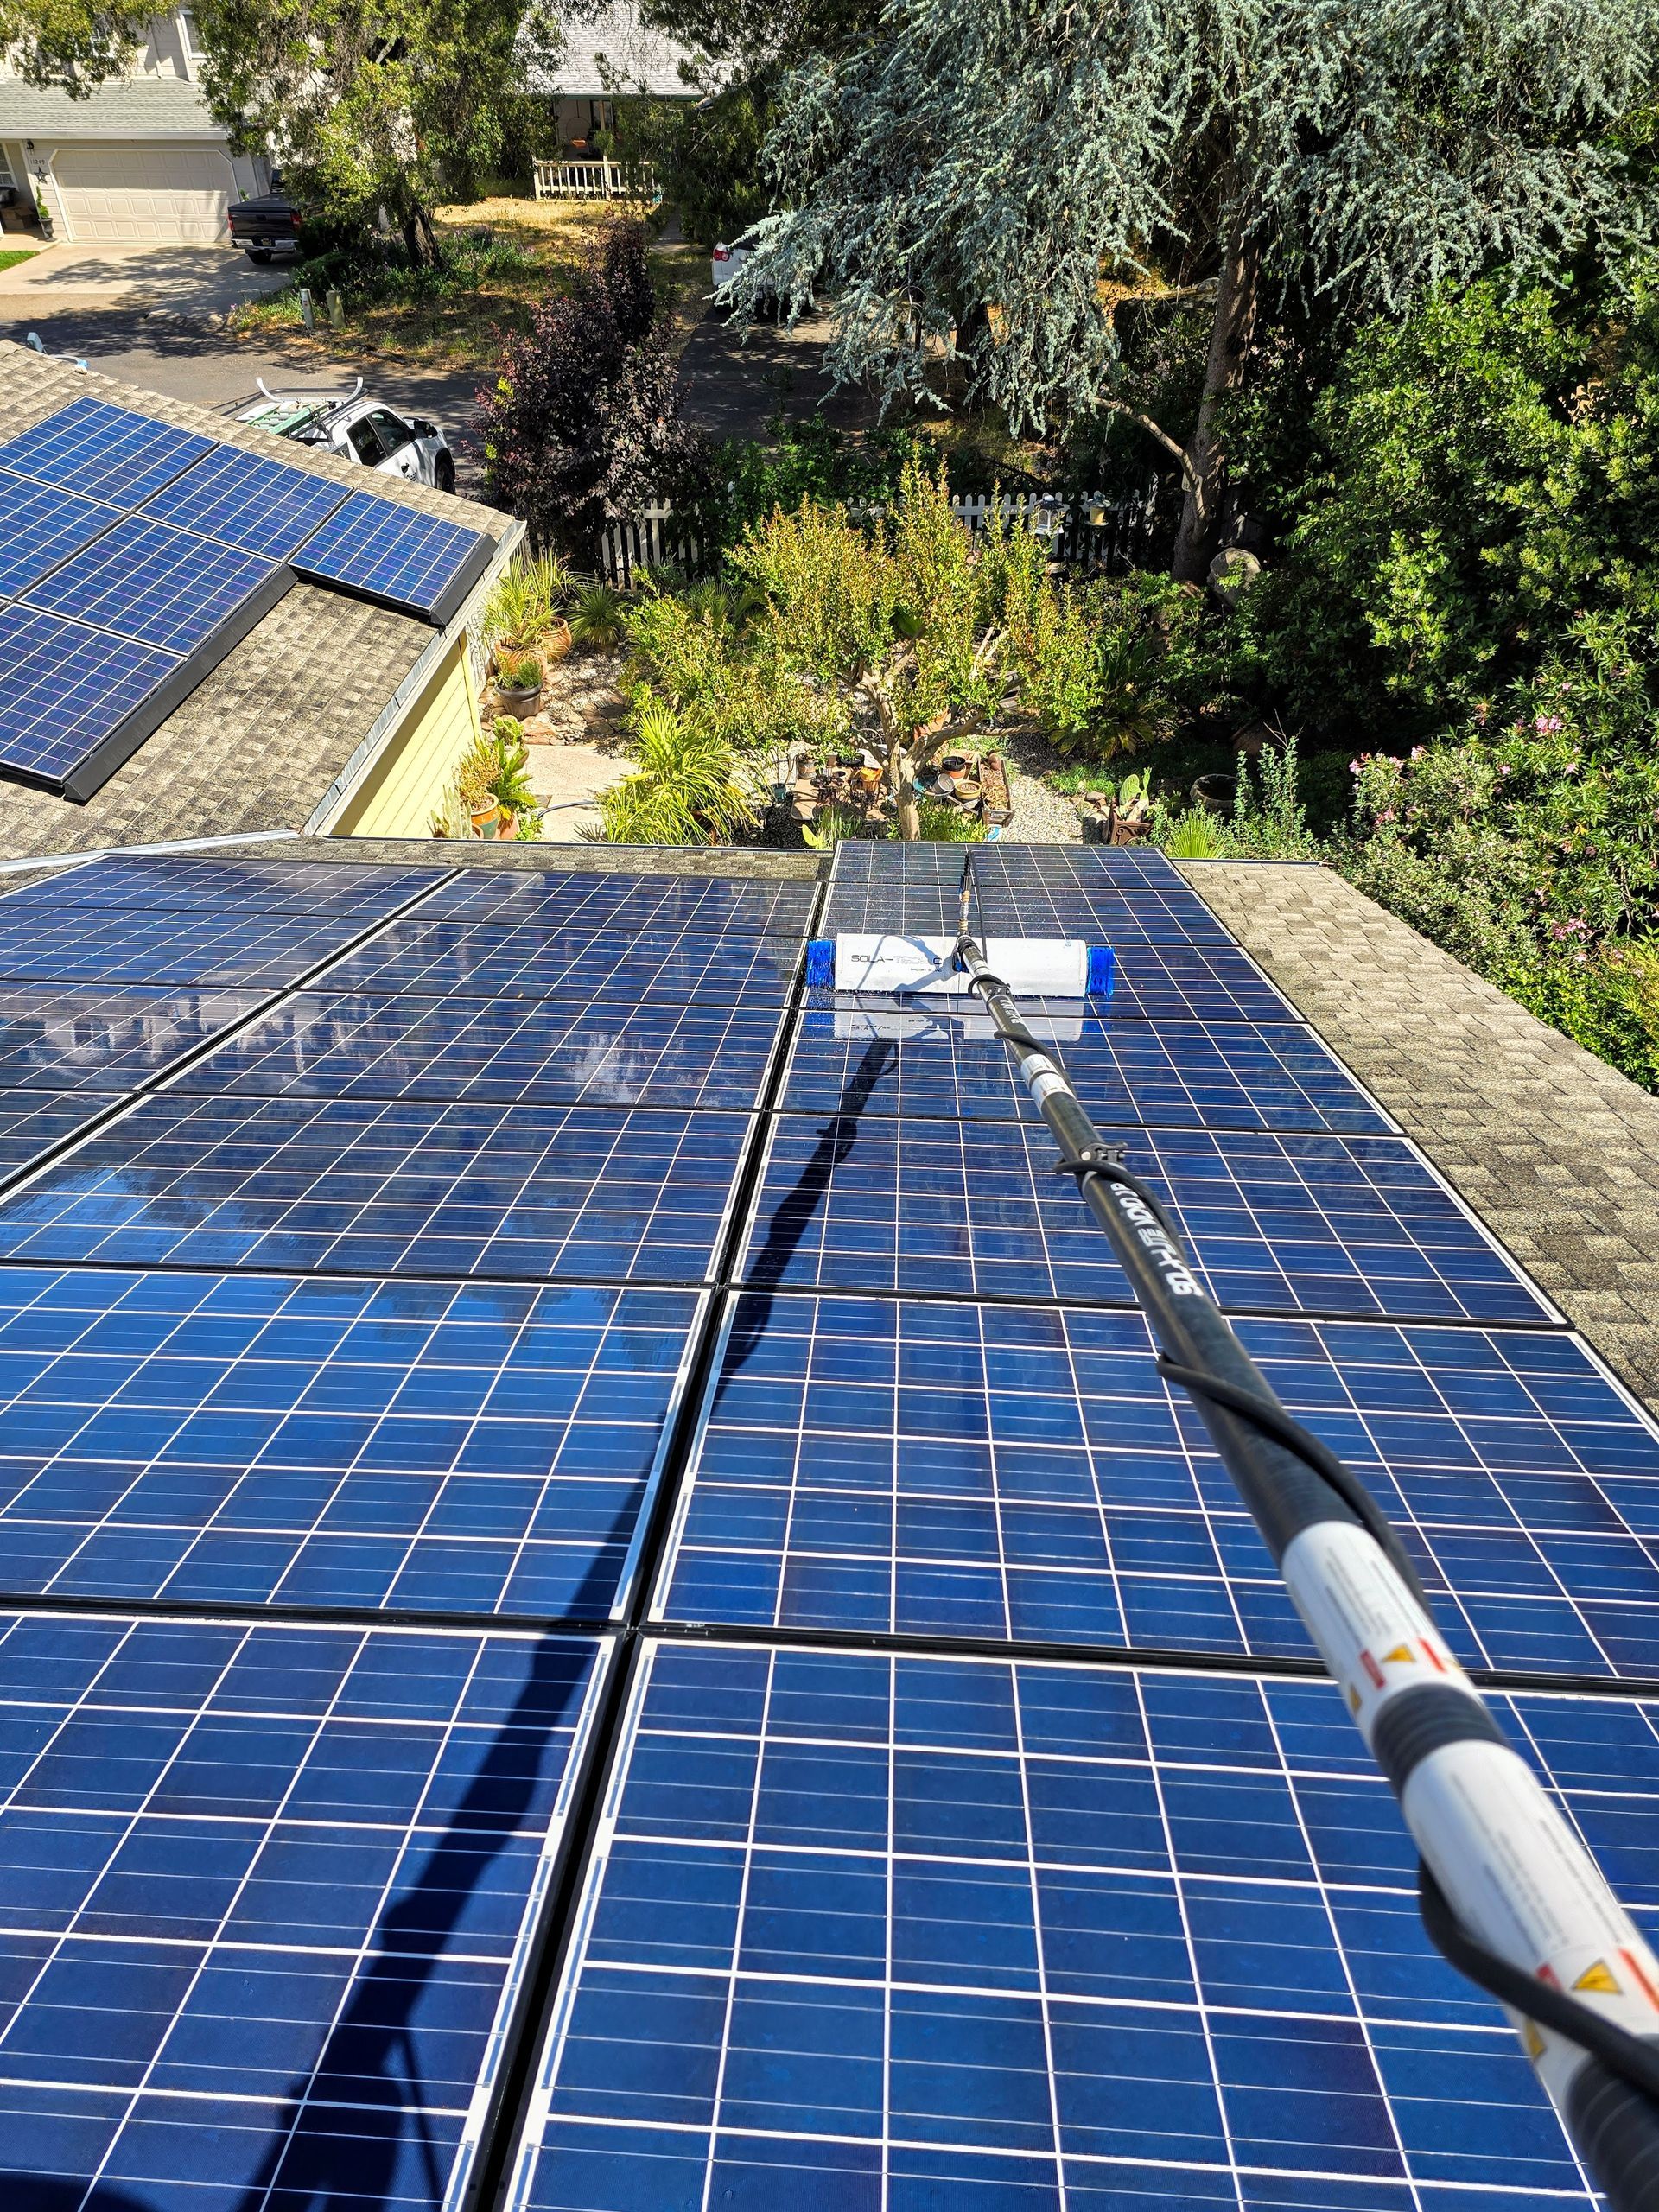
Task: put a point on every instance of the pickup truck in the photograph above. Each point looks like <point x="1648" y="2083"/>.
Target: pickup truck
<point x="266" y="227"/>
<point x="356" y="428"/>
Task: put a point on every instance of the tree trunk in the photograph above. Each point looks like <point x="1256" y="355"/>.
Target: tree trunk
<point x="909" y="814"/>
<point x="1229" y="343"/>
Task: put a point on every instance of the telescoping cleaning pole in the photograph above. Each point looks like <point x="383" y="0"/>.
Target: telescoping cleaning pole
<point x="1508" y="1892"/>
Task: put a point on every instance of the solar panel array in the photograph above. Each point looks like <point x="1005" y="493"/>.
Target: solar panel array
<point x="602" y="1598"/>
<point x="139" y="554"/>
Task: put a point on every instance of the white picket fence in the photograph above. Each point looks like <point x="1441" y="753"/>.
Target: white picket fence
<point x="594" y="180"/>
<point x="1085" y="530"/>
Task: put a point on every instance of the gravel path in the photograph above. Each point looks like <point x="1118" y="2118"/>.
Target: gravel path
<point x="1041" y="816"/>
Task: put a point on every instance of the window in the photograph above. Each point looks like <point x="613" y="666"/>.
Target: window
<point x="393" y="434"/>
<point x="365" y="443"/>
<point x="189" y="35"/>
<point x="6" y="177"/>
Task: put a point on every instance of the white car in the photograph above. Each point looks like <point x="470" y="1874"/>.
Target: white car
<point x="725" y="264"/>
<point x="363" y="431"/>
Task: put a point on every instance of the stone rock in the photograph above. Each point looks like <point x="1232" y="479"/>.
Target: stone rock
<point x="1231" y="573"/>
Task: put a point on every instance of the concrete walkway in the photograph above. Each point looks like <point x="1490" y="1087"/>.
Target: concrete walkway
<point x="1556" y="1152"/>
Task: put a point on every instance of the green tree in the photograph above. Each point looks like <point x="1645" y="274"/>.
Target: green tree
<point x="70" y="44"/>
<point x="1004" y="184"/>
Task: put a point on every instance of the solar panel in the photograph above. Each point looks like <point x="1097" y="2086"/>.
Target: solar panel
<point x="936" y="1065"/>
<point x="1064" y="891"/>
<point x="1191" y="982"/>
<point x="359" y="1187"/>
<point x="163" y="588"/>
<point x="182" y="884"/>
<point x="1276" y="1224"/>
<point x="379" y="1045"/>
<point x="533" y="961"/>
<point x="270" y="1894"/>
<point x="1023" y="1471"/>
<point x="43" y="527"/>
<point x="117" y="944"/>
<point x="718" y="905"/>
<point x="873" y="1931"/>
<point x="417" y="1447"/>
<point x="245" y="500"/>
<point x="104" y="452"/>
<point x="75" y="704"/>
<point x="397" y="556"/>
<point x="33" y="1122"/>
<point x="89" y="1037"/>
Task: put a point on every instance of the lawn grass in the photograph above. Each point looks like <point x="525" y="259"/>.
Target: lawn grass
<point x="507" y="256"/>
<point x="11" y="255"/>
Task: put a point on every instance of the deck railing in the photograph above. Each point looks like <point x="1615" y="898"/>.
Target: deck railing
<point x="602" y="180"/>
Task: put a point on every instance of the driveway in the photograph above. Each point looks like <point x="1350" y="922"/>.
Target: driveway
<point x="736" y="383"/>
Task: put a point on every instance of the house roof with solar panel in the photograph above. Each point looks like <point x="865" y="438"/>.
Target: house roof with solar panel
<point x="204" y="630"/>
<point x="603" y="1607"/>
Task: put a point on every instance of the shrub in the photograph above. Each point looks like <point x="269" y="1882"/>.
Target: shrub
<point x="525" y="603"/>
<point x="1110" y="665"/>
<point x="689" y="787"/>
<point x="516" y="671"/>
<point x="1197" y="835"/>
<point x="596" y="617"/>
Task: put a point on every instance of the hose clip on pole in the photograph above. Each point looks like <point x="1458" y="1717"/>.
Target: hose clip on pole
<point x="1508" y="1893"/>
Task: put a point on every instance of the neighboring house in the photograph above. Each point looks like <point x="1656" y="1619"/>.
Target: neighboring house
<point x="332" y="715"/>
<point x="609" y="52"/>
<point x="137" y="162"/>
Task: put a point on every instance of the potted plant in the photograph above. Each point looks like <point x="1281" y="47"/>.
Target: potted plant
<point x="475" y="780"/>
<point x="510" y="784"/>
<point x="517" y="681"/>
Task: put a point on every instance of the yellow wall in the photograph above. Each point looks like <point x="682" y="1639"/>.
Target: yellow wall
<point x="396" y="796"/>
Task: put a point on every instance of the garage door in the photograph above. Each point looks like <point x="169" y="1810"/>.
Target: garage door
<point x="113" y="195"/>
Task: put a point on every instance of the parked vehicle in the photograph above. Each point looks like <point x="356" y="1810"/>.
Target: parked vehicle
<point x="724" y="266"/>
<point x="357" y="429"/>
<point x="267" y="225"/>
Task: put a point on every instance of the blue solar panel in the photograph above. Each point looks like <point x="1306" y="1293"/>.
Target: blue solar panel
<point x="1191" y="982"/>
<point x="104" y="452"/>
<point x="533" y="961"/>
<point x="33" y="1122"/>
<point x="355" y="1186"/>
<point x="375" y="1046"/>
<point x="270" y="1894"/>
<point x="894" y="1934"/>
<point x="66" y="692"/>
<point x="162" y="587"/>
<point x="117" y="944"/>
<point x="88" y="1037"/>
<point x="180" y="884"/>
<point x="1294" y="1224"/>
<point x="1022" y="1471"/>
<point x="1063" y="891"/>
<point x="43" y="527"/>
<point x="247" y="501"/>
<point x="426" y="1447"/>
<point x="397" y="555"/>
<point x="716" y="905"/>
<point x="937" y="1064"/>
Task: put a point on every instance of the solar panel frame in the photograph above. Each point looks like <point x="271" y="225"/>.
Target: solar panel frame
<point x="360" y="1186"/>
<point x="91" y="1037"/>
<point x="165" y="588"/>
<point x="379" y="1045"/>
<point x="1316" y="1224"/>
<point x="248" y="502"/>
<point x="371" y="547"/>
<point x="338" y="1447"/>
<point x="1023" y="1474"/>
<point x="264" y="1880"/>
<point x="1226" y="1075"/>
<point x="882" y="1930"/>
<point x="105" y="452"/>
<point x="44" y="526"/>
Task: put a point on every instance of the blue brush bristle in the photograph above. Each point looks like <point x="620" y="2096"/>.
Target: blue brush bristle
<point x="821" y="960"/>
<point x="1102" y="970"/>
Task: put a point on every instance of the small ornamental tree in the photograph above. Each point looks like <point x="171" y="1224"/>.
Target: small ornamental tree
<point x="906" y="622"/>
<point x="1005" y="183"/>
<point x="583" y="425"/>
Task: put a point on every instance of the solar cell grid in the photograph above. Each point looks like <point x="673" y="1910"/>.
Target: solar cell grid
<point x="720" y="906"/>
<point x="93" y="1037"/>
<point x="95" y="942"/>
<point x="104" y="452"/>
<point x="160" y="587"/>
<point x="244" y="500"/>
<point x="1061" y="890"/>
<point x="269" y="1894"/>
<point x="33" y="1122"/>
<point x="892" y="1933"/>
<point x="358" y="1187"/>
<point x="343" y="1446"/>
<point x="530" y="961"/>
<point x="416" y="563"/>
<point x="66" y="691"/>
<point x="382" y="1046"/>
<point x="182" y="884"/>
<point x="1300" y="1224"/>
<point x="1022" y="1472"/>
<point x="43" y="527"/>
<point x="939" y="1065"/>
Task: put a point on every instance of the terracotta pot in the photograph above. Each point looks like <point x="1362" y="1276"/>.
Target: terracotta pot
<point x="485" y="819"/>
<point x="555" y="645"/>
<point x="509" y="827"/>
